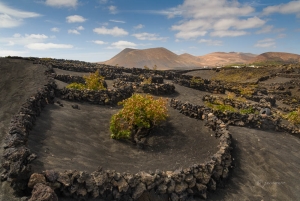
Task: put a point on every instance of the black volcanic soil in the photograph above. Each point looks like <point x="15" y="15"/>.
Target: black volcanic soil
<point x="66" y="138"/>
<point x="266" y="163"/>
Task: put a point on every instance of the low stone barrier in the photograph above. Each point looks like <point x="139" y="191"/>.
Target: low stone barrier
<point x="17" y="156"/>
<point x="153" y="88"/>
<point x="102" y="97"/>
<point x="205" y="85"/>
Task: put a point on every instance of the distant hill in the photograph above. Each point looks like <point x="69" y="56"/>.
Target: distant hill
<point x="161" y="57"/>
<point x="165" y="59"/>
<point x="277" y="57"/>
<point x="224" y="58"/>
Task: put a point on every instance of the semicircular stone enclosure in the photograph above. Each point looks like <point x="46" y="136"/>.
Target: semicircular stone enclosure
<point x="59" y="141"/>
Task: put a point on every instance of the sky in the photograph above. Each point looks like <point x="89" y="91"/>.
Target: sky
<point x="97" y="30"/>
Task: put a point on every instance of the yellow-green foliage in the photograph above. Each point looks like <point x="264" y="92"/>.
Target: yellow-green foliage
<point x="92" y="82"/>
<point x="248" y="90"/>
<point x="146" y="67"/>
<point x="46" y="59"/>
<point x="241" y="74"/>
<point x="154" y="67"/>
<point x="195" y="81"/>
<point x="75" y="85"/>
<point x="294" y="116"/>
<point x="147" y="81"/>
<point x="221" y="107"/>
<point x="138" y="112"/>
<point x="232" y="96"/>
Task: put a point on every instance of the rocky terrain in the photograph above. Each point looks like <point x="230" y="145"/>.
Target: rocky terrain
<point x="226" y="138"/>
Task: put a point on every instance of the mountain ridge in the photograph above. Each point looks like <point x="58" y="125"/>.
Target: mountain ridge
<point x="166" y="59"/>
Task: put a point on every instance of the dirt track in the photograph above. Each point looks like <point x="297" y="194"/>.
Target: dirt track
<point x="267" y="164"/>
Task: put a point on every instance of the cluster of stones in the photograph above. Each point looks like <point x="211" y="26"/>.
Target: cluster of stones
<point x="151" y="88"/>
<point x="101" y="97"/>
<point x="206" y="85"/>
<point x="17" y="156"/>
<point x="253" y="120"/>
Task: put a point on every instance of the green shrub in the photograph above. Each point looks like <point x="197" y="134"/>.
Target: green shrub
<point x="75" y="85"/>
<point x="293" y="117"/>
<point x="249" y="110"/>
<point x="92" y="82"/>
<point x="139" y="113"/>
<point x="147" y="80"/>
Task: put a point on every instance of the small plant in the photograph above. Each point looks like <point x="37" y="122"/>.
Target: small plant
<point x="92" y="82"/>
<point x="293" y="117"/>
<point x="249" y="110"/>
<point x="147" y="80"/>
<point x="221" y="107"/>
<point x="78" y="86"/>
<point x="154" y="67"/>
<point x="195" y="81"/>
<point x="138" y="116"/>
<point x="146" y="67"/>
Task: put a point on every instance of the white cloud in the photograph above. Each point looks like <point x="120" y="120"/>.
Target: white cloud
<point x="73" y="31"/>
<point x="62" y="3"/>
<point x="211" y="42"/>
<point x="99" y="42"/>
<point x="149" y="36"/>
<point x="265" y="29"/>
<point x="80" y="28"/>
<point x="293" y="7"/>
<point x="281" y="36"/>
<point x="190" y="34"/>
<point x="219" y="17"/>
<point x="103" y="1"/>
<point x="122" y="45"/>
<point x="75" y="18"/>
<point x="46" y="46"/>
<point x="117" y="21"/>
<point x="18" y="39"/>
<point x="266" y="43"/>
<point x="139" y="26"/>
<point x="55" y="29"/>
<point x="10" y="17"/>
<point x="113" y="9"/>
<point x="116" y="31"/>
<point x="4" y="52"/>
<point x="229" y="33"/>
<point x="36" y="36"/>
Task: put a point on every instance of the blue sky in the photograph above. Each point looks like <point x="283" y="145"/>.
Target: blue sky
<point x="96" y="30"/>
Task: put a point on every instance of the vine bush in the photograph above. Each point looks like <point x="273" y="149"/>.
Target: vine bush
<point x="293" y="117"/>
<point x="139" y="115"/>
<point x="92" y="82"/>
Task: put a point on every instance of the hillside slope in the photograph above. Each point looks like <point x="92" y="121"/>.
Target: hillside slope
<point x="276" y="57"/>
<point x="161" y="57"/>
<point x="224" y="58"/>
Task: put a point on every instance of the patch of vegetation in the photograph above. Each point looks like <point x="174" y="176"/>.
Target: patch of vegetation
<point x="232" y="96"/>
<point x="249" y="110"/>
<point x="241" y="74"/>
<point x="293" y="117"/>
<point x="92" y="82"/>
<point x="146" y="67"/>
<point x="221" y="107"/>
<point x="154" y="67"/>
<point x="196" y="81"/>
<point x="140" y="113"/>
<point x="147" y="80"/>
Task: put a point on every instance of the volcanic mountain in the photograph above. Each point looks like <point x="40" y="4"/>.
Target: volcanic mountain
<point x="281" y="57"/>
<point x="161" y="57"/>
<point x="165" y="59"/>
<point x="224" y="58"/>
